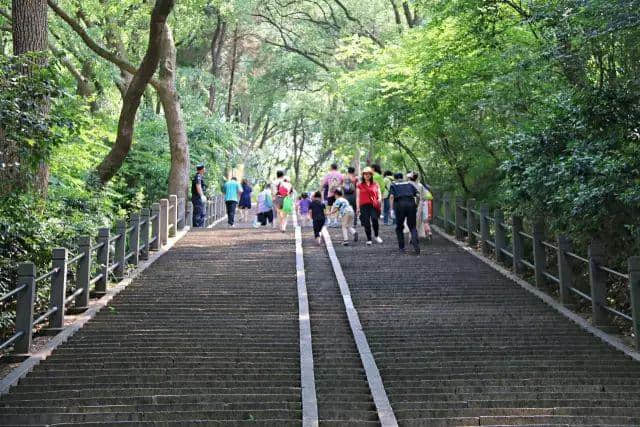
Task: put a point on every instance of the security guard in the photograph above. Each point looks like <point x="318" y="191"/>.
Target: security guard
<point x="198" y="198"/>
<point x="402" y="198"/>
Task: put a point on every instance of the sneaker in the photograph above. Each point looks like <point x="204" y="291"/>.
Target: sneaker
<point x="345" y="243"/>
<point x="355" y="236"/>
<point x="378" y="239"/>
<point x="369" y="243"/>
<point x="403" y="251"/>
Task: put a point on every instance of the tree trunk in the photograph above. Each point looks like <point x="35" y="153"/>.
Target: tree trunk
<point x="114" y="160"/>
<point x="234" y="54"/>
<point x="217" y="42"/>
<point x="178" y="141"/>
<point x="29" y="31"/>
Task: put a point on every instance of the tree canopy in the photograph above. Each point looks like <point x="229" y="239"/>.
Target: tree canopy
<point x="530" y="104"/>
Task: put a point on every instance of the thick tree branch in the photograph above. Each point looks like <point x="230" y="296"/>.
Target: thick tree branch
<point x="114" y="160"/>
<point x="93" y="45"/>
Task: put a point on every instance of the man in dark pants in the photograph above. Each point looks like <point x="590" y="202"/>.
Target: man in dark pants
<point x="402" y="197"/>
<point x="198" y="188"/>
<point x="232" y="191"/>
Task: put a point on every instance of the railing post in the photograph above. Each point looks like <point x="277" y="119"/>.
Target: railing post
<point x="182" y="218"/>
<point x="188" y="216"/>
<point x="58" y="287"/>
<point x="634" y="284"/>
<point x="83" y="273"/>
<point x="173" y="215"/>
<point x="518" y="244"/>
<point x="565" y="274"/>
<point x="155" y="227"/>
<point x="598" y="282"/>
<point x="484" y="229"/>
<point x="121" y="230"/>
<point x="447" y="212"/>
<point x="471" y="222"/>
<point x="24" y="307"/>
<point x="499" y="235"/>
<point x="458" y="218"/>
<point x="539" y="258"/>
<point x="164" y="221"/>
<point x="436" y="208"/>
<point x="214" y="209"/>
<point x="144" y="234"/>
<point x="103" y="260"/>
<point x="134" y="238"/>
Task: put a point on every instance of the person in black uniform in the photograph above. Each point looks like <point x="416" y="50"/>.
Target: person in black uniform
<point x="402" y="198"/>
<point x="198" y="198"/>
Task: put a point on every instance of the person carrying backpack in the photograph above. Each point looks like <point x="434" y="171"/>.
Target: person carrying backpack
<point x="349" y="189"/>
<point x="265" y="206"/>
<point x="283" y="194"/>
<point x="333" y="181"/>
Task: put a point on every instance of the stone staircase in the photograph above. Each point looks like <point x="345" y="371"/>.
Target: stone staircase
<point x="208" y="334"/>
<point x="341" y="384"/>
<point x="459" y="344"/>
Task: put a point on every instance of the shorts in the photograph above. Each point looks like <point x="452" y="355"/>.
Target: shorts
<point x="277" y="202"/>
<point x="331" y="200"/>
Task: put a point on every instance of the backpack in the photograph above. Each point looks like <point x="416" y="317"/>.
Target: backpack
<point x="334" y="183"/>
<point x="268" y="203"/>
<point x="349" y="188"/>
<point x="282" y="190"/>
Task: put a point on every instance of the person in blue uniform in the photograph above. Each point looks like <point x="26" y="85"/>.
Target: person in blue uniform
<point x="198" y="198"/>
<point x="402" y="198"/>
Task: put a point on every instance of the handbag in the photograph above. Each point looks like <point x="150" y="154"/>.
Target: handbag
<point x="375" y="202"/>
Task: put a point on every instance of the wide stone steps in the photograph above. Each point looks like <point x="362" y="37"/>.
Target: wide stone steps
<point x="208" y="334"/>
<point x="334" y="350"/>
<point x="458" y="344"/>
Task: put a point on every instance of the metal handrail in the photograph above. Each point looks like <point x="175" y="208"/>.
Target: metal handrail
<point x="113" y="267"/>
<point x="549" y="245"/>
<point x="45" y="316"/>
<point x="505" y="225"/>
<point x="96" y="279"/>
<point x="617" y="313"/>
<point x="528" y="264"/>
<point x="128" y="256"/>
<point x="153" y="239"/>
<point x="551" y="277"/>
<point x="614" y="272"/>
<point x="153" y="217"/>
<point x="143" y="222"/>
<point x="73" y="295"/>
<point x="114" y="237"/>
<point x="11" y="340"/>
<point x="476" y="212"/>
<point x="506" y="252"/>
<point x="47" y="275"/>
<point x="580" y="293"/>
<point x="98" y="246"/>
<point x="576" y="256"/>
<point x="12" y="293"/>
<point x="130" y="229"/>
<point x="75" y="259"/>
<point x="527" y="235"/>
